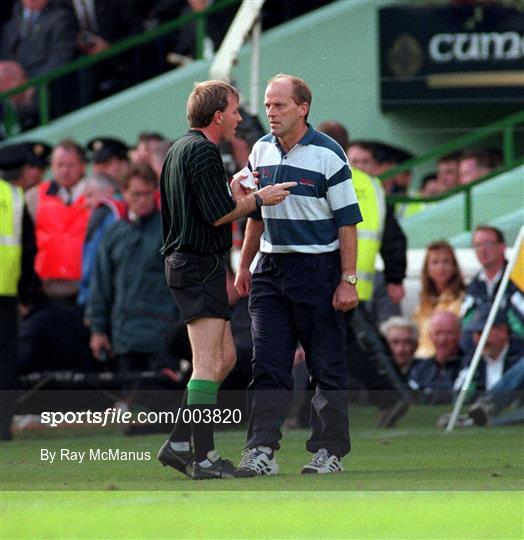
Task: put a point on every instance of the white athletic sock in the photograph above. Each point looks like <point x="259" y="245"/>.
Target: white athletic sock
<point x="212" y="456"/>
<point x="180" y="446"/>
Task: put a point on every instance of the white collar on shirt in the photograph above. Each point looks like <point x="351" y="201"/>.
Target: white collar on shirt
<point x="495" y="367"/>
<point x="490" y="283"/>
<point x="74" y="192"/>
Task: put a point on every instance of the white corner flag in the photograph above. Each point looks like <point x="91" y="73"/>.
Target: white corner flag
<point x="516" y="257"/>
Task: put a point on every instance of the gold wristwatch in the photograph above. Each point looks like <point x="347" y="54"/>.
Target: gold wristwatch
<point x="349" y="278"/>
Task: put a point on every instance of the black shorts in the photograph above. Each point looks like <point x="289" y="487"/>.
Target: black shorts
<point x="198" y="285"/>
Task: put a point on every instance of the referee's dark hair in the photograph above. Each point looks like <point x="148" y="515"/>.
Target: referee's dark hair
<point x="206" y="99"/>
<point x="142" y="171"/>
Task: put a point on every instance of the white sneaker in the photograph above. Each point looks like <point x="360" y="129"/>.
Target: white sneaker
<point x="323" y="462"/>
<point x="259" y="461"/>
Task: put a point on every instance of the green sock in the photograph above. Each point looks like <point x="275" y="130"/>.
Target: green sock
<point x="202" y="395"/>
<point x="201" y="392"/>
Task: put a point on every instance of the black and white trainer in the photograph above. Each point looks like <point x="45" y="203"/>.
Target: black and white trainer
<point x="480" y="412"/>
<point x="218" y="468"/>
<point x="262" y="463"/>
<point x="181" y="461"/>
<point x="323" y="462"/>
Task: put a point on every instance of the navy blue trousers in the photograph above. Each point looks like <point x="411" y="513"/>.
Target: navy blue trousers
<point x="290" y="301"/>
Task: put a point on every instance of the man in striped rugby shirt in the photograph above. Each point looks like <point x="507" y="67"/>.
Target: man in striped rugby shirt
<point x="302" y="283"/>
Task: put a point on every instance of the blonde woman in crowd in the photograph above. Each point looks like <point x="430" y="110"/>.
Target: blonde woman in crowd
<point x="442" y="290"/>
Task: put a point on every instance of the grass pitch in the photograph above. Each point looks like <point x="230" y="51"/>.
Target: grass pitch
<point x="410" y="482"/>
<point x="374" y="515"/>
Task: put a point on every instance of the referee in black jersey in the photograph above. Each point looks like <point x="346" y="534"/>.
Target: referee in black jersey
<point x="198" y="206"/>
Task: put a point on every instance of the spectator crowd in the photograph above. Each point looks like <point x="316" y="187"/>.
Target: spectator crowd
<point x="98" y="300"/>
<point x="453" y="169"/>
<point x="38" y="36"/>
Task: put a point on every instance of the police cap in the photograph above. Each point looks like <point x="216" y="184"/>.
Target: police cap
<point x="103" y="148"/>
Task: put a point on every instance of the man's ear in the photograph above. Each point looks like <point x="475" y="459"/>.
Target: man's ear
<point x="217" y="117"/>
<point x="304" y="109"/>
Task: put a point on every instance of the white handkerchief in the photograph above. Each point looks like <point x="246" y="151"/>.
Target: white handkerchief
<point x="249" y="181"/>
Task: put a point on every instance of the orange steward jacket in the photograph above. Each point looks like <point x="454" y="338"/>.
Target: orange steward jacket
<point x="60" y="232"/>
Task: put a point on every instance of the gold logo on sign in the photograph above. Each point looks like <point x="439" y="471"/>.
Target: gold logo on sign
<point x="406" y="57"/>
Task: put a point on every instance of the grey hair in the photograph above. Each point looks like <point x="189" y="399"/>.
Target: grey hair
<point x="101" y="181"/>
<point x="399" y="322"/>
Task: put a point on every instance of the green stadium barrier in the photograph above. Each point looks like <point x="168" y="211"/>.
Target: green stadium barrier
<point x="498" y="201"/>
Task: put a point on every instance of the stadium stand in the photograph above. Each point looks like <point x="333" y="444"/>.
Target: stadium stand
<point x="158" y="105"/>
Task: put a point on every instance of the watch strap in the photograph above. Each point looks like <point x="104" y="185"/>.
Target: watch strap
<point x="349" y="278"/>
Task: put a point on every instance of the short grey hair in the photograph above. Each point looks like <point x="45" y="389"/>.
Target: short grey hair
<point x="399" y="322"/>
<point x="101" y="181"/>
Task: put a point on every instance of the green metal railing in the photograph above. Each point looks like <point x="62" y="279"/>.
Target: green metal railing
<point x="42" y="82"/>
<point x="506" y="126"/>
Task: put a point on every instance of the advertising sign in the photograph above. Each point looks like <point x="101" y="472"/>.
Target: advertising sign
<point x="451" y="55"/>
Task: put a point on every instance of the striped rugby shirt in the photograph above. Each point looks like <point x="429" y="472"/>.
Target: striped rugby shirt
<point x="323" y="200"/>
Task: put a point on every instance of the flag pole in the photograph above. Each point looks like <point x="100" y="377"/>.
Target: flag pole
<point x="485" y="332"/>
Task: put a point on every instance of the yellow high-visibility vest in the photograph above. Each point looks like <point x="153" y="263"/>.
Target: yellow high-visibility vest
<point x="11" y="216"/>
<point x="371" y="200"/>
